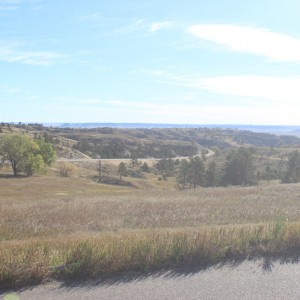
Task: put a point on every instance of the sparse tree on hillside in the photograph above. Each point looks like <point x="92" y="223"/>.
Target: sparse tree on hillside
<point x="292" y="174"/>
<point x="183" y="174"/>
<point x="65" y="169"/>
<point x="268" y="172"/>
<point x="122" y="169"/>
<point x="145" y="167"/>
<point x="99" y="168"/>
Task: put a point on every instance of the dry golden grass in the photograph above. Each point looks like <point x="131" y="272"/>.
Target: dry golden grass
<point x="52" y="226"/>
<point x="77" y="205"/>
<point x="31" y="261"/>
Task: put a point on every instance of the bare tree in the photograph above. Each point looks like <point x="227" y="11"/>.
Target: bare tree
<point x="99" y="168"/>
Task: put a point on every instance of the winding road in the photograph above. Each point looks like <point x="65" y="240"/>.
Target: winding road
<point x="86" y="158"/>
<point x="248" y="280"/>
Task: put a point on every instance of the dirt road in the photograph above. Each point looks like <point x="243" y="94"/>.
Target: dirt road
<point x="248" y="280"/>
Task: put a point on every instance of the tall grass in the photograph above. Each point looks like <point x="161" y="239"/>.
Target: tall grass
<point x="32" y="261"/>
<point x="73" y="213"/>
<point x="74" y="228"/>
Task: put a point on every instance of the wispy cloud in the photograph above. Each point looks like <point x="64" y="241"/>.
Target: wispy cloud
<point x="270" y="89"/>
<point x="201" y="114"/>
<point x="258" y="41"/>
<point x="122" y="110"/>
<point x="6" y="5"/>
<point x="39" y="58"/>
<point x="134" y="25"/>
<point x="13" y="51"/>
<point x="10" y="90"/>
<point x="10" y="5"/>
<point x="156" y="26"/>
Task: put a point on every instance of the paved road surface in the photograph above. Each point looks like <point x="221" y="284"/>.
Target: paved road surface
<point x="248" y="280"/>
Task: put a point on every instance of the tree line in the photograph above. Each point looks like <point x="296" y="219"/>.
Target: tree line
<point x="238" y="169"/>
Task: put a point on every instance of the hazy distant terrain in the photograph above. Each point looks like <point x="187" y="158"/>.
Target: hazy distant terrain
<point x="276" y="129"/>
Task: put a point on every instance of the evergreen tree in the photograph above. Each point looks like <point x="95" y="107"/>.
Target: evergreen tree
<point x="122" y="169"/>
<point x="145" y="168"/>
<point x="183" y="174"/>
<point x="211" y="174"/>
<point x="239" y="169"/>
<point x="197" y="172"/>
<point x="191" y="172"/>
<point x="292" y="174"/>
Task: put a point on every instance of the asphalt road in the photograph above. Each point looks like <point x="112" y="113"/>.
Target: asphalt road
<point x="248" y="280"/>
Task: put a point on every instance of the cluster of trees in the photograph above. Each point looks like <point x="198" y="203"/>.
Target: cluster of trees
<point x="166" y="167"/>
<point x="25" y="154"/>
<point x="191" y="173"/>
<point x="238" y="170"/>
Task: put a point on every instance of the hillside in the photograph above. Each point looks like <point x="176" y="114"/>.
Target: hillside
<point x="162" y="142"/>
<point x="109" y="143"/>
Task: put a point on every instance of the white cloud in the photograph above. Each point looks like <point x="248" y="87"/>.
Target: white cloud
<point x="39" y="58"/>
<point x="271" y="89"/>
<point x="12" y="52"/>
<point x="161" y="25"/>
<point x="267" y="88"/>
<point x="258" y="41"/>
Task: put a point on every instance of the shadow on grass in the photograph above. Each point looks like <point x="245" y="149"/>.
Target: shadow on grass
<point x="11" y="176"/>
<point x="266" y="264"/>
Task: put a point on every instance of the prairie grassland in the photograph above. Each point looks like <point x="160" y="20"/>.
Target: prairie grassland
<point x="73" y="227"/>
<point x="118" y="209"/>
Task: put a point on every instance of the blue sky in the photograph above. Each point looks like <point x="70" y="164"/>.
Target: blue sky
<point x="192" y="61"/>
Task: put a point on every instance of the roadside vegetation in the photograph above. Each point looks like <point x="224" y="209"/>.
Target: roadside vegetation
<point x="88" y="218"/>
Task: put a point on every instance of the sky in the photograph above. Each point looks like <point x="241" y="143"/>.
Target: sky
<point x="158" y="61"/>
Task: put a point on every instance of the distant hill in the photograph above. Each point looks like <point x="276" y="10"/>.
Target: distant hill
<point x="276" y="129"/>
<point x="112" y="142"/>
<point x="109" y="142"/>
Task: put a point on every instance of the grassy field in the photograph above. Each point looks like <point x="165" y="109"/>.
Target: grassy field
<point x="52" y="227"/>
